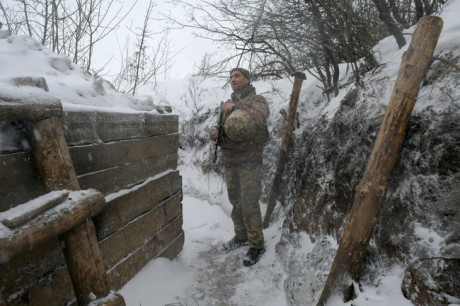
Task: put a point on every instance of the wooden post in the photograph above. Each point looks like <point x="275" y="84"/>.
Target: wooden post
<point x="299" y="77"/>
<point x="371" y="190"/>
<point x="82" y="253"/>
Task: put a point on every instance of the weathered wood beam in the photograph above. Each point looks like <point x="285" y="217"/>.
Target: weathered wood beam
<point x="24" y="212"/>
<point x="29" y="109"/>
<point x="78" y="207"/>
<point x="371" y="191"/>
<point x="285" y="143"/>
<point x="130" y="205"/>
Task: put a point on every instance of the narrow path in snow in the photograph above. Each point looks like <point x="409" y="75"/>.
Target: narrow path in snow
<point x="204" y="274"/>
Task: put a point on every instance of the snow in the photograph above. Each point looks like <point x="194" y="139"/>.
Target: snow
<point x="429" y="238"/>
<point x="388" y="292"/>
<point x="203" y="274"/>
<point x="22" y="56"/>
<point x="112" y="196"/>
<point x="48" y="215"/>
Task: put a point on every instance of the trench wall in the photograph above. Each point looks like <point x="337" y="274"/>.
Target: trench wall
<point x="131" y="159"/>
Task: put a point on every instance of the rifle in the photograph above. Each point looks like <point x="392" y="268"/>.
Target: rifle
<point x="219" y="132"/>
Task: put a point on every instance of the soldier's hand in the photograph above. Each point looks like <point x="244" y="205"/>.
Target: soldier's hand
<point x="213" y="135"/>
<point x="228" y="106"/>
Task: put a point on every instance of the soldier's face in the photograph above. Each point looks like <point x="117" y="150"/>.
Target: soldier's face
<point x="238" y="81"/>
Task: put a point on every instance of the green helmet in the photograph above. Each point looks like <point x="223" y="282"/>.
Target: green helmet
<point x="240" y="126"/>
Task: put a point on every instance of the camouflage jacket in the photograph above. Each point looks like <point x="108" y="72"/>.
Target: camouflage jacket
<point x="234" y="152"/>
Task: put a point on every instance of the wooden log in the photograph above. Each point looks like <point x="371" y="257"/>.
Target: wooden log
<point x="371" y="190"/>
<point x="52" y="155"/>
<point x="80" y="206"/>
<point x="285" y="144"/>
<point x="81" y="250"/>
<point x="131" y="203"/>
<point x="29" y="108"/>
<point x="24" y="212"/>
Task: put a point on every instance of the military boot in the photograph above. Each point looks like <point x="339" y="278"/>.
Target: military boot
<point x="253" y="256"/>
<point x="234" y="243"/>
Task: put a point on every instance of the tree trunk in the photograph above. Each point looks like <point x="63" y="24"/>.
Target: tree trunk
<point x="285" y="143"/>
<point x="384" y="14"/>
<point x="371" y="191"/>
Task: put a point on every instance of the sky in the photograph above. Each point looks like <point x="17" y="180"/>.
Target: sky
<point x="189" y="48"/>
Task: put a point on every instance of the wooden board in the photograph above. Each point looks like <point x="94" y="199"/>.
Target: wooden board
<point x="130" y="266"/>
<point x="12" y="137"/>
<point x="121" y="177"/>
<point x="125" y="208"/>
<point x="36" y="108"/>
<point x="90" y="158"/>
<point x="174" y="248"/>
<point x="51" y="289"/>
<point x="19" y="180"/>
<point x="97" y="127"/>
<point x="23" y="270"/>
<point x="132" y="236"/>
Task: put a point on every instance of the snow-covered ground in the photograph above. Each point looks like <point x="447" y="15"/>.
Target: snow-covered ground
<point x="203" y="274"/>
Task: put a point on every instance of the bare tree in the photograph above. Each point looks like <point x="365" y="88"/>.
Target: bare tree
<point x="147" y="61"/>
<point x="72" y="27"/>
<point x="2" y="8"/>
<point x="385" y="16"/>
<point x="278" y="38"/>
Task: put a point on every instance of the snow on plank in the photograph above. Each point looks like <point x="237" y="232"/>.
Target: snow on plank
<point x="24" y="212"/>
<point x="79" y="206"/>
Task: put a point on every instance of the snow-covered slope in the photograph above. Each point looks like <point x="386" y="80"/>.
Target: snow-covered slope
<point x="23" y="57"/>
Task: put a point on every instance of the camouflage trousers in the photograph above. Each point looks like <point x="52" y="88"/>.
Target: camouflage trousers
<point x="244" y="189"/>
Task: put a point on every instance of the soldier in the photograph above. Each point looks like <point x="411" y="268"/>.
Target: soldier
<point x="244" y="120"/>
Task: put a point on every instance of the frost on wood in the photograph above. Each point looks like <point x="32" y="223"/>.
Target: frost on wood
<point x="75" y="209"/>
<point x="24" y="212"/>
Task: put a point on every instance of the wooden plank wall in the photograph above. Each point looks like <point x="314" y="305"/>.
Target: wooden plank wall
<point x="132" y="159"/>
